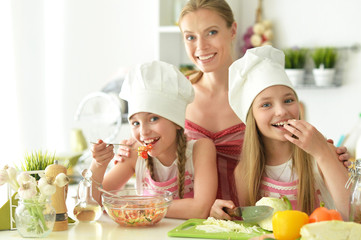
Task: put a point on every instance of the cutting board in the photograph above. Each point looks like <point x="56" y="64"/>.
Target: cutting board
<point x="188" y="229"/>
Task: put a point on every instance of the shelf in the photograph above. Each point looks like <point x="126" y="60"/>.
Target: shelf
<point x="309" y="82"/>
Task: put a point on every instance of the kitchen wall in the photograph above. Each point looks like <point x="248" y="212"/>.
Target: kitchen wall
<point x="65" y="51"/>
<point x="309" y="23"/>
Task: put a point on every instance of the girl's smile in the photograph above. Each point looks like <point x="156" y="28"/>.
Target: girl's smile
<point x="148" y="128"/>
<point x="273" y="108"/>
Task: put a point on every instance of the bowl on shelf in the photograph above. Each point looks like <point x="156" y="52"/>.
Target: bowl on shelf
<point x="128" y="208"/>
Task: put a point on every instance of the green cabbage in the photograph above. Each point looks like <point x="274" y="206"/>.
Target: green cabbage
<point x="330" y="230"/>
<point x="278" y="204"/>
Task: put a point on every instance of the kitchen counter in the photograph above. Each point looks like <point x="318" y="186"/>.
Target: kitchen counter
<point x="106" y="228"/>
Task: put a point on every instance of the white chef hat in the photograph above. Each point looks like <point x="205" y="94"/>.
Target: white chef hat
<point x="159" y="88"/>
<point x="258" y="69"/>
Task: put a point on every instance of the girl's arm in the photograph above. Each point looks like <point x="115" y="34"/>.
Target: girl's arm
<point x="333" y="171"/>
<point x="205" y="184"/>
<point x="116" y="177"/>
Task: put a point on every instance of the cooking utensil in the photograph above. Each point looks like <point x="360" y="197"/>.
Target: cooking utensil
<point x="120" y="144"/>
<point x="250" y="214"/>
<point x="188" y="230"/>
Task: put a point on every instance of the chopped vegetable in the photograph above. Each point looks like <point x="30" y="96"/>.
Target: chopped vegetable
<point x="143" y="151"/>
<point x="278" y="204"/>
<point x="287" y="224"/>
<point x="132" y="215"/>
<point x="212" y="225"/>
<point x="323" y="214"/>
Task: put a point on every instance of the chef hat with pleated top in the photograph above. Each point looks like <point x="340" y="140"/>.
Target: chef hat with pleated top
<point x="160" y="88"/>
<point x="258" y="69"/>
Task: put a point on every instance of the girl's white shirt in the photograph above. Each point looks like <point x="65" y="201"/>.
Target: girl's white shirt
<point x="163" y="173"/>
<point x="283" y="173"/>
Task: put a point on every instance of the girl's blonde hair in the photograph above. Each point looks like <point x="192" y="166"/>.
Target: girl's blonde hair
<point x="253" y="168"/>
<point x="181" y="155"/>
<point x="221" y="7"/>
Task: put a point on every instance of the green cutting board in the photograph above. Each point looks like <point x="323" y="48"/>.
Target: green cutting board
<point x="188" y="229"/>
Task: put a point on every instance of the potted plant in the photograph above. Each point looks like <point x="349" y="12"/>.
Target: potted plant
<point x="295" y="60"/>
<point x="324" y="59"/>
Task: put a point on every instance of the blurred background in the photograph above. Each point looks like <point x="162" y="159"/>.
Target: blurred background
<point x="54" y="54"/>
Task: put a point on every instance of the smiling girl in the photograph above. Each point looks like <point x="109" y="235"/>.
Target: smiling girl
<point x="157" y="95"/>
<point x="282" y="154"/>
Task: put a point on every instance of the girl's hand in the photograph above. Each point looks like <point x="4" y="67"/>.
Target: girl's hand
<point x="124" y="151"/>
<point x="306" y="136"/>
<point x="217" y="211"/>
<point x="102" y="153"/>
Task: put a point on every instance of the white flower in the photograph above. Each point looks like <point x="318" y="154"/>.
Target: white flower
<point x="61" y="180"/>
<point x="4" y="177"/>
<point x="11" y="172"/>
<point x="46" y="187"/>
<point x="27" y="190"/>
<point x="25" y="177"/>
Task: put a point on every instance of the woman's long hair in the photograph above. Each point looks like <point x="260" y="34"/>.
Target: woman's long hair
<point x="181" y="156"/>
<point x="253" y="168"/>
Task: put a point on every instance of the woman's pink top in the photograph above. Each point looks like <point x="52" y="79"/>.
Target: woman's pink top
<point x="228" y="144"/>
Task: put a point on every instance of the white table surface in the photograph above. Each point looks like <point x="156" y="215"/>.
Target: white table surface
<point x="106" y="228"/>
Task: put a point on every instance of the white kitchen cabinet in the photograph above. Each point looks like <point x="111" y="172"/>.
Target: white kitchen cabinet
<point x="169" y="43"/>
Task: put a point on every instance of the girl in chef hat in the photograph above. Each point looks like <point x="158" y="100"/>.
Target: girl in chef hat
<point x="157" y="95"/>
<point x="282" y="154"/>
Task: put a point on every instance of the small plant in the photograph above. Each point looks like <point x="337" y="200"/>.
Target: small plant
<point x="37" y="160"/>
<point x="295" y="58"/>
<point x="325" y="57"/>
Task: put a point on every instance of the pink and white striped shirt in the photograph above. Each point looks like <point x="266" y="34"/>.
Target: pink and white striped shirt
<point x="166" y="176"/>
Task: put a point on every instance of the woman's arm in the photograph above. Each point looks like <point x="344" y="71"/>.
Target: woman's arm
<point x="333" y="171"/>
<point x="205" y="184"/>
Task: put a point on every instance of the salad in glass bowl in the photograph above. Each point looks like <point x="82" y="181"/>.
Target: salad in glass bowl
<point x="132" y="209"/>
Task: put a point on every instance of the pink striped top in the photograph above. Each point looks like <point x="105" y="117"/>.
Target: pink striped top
<point x="228" y="144"/>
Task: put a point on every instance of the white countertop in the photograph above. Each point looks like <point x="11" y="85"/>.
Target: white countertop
<point x="106" y="228"/>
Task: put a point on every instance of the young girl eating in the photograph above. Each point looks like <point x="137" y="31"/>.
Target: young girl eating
<point x="282" y="154"/>
<point x="157" y="95"/>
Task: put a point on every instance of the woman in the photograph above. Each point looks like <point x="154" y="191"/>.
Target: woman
<point x="208" y="29"/>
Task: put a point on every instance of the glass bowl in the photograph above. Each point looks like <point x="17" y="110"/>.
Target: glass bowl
<point x="128" y="208"/>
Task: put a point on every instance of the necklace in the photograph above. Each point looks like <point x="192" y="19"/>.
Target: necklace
<point x="271" y="171"/>
<point x="284" y="168"/>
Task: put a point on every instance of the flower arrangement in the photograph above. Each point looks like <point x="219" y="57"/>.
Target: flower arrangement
<point x="33" y="194"/>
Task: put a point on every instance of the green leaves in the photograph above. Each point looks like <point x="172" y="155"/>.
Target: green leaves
<point x="295" y="58"/>
<point x="37" y="160"/>
<point x="326" y="56"/>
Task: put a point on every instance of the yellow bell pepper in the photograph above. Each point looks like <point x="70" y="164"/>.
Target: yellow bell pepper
<point x="287" y="224"/>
